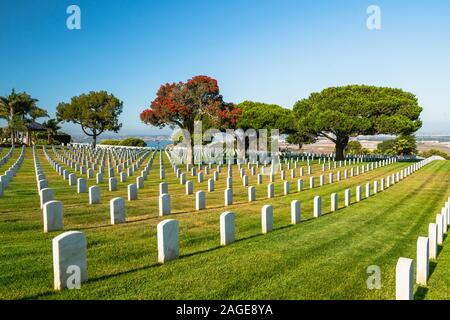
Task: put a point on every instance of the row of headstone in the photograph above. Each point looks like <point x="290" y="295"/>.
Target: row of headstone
<point x="427" y="249"/>
<point x="52" y="210"/>
<point x="69" y="249"/>
<point x="10" y="173"/>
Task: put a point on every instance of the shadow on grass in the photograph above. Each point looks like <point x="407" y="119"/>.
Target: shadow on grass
<point x="420" y="293"/>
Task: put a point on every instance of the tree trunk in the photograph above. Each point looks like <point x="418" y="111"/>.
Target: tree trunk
<point x="341" y="144"/>
<point x="94" y="140"/>
<point x="190" y="152"/>
<point x="48" y="137"/>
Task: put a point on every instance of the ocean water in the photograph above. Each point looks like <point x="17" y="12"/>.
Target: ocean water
<point x="158" y="144"/>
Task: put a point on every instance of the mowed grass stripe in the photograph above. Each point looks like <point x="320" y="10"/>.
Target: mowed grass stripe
<point x="122" y="249"/>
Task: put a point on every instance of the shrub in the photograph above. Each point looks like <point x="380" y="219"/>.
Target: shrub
<point x="435" y="152"/>
<point x="62" y="138"/>
<point x="133" y="142"/>
<point x="354" y="147"/>
<point x="111" y="142"/>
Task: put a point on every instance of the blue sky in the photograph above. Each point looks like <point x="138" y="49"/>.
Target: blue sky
<point x="262" y="50"/>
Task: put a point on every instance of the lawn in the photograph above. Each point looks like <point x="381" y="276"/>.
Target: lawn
<point x="323" y="258"/>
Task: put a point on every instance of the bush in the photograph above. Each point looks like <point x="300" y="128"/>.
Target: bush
<point x="129" y="142"/>
<point x="404" y="145"/>
<point x="111" y="142"/>
<point x="62" y="138"/>
<point x="133" y="142"/>
<point x="435" y="152"/>
<point x="354" y="147"/>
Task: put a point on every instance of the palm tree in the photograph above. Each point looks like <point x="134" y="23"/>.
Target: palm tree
<point x="15" y="108"/>
<point x="52" y="126"/>
<point x="8" y="106"/>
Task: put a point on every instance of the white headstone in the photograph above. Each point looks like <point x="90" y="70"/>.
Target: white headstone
<point x="94" y="195"/>
<point x="140" y="182"/>
<point x="53" y="216"/>
<point x="112" y="184"/>
<point x="317" y="206"/>
<point x="422" y="261"/>
<point x="69" y="260"/>
<point x="132" y="192"/>
<point x="168" y="246"/>
<point x="348" y="197"/>
<point x="286" y="188"/>
<point x="404" y="279"/>
<point x="164" y="204"/>
<point x="270" y="190"/>
<point x="189" y="187"/>
<point x="163" y="188"/>
<point x="81" y="185"/>
<point x="267" y="218"/>
<point x="432" y="240"/>
<point x="251" y="194"/>
<point x="210" y="185"/>
<point x="334" y="202"/>
<point x="200" y="200"/>
<point x="117" y="211"/>
<point x="228" y="195"/>
<point x="227" y="228"/>
<point x="295" y="212"/>
<point x="46" y="195"/>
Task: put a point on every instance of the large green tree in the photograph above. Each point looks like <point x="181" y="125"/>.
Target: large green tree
<point x="95" y="112"/>
<point x="339" y="113"/>
<point x="258" y="115"/>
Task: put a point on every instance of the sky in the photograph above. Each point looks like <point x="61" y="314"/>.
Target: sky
<point x="272" y="51"/>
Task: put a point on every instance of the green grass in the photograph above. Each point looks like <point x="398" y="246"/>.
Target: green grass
<point x="323" y="258"/>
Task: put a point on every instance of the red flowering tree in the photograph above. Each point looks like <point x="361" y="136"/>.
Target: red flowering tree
<point x="181" y="104"/>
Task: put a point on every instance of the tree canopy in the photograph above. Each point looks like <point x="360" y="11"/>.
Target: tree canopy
<point x="182" y="104"/>
<point x="95" y="112"/>
<point x="257" y="115"/>
<point x="401" y="146"/>
<point x="18" y="109"/>
<point x="339" y="113"/>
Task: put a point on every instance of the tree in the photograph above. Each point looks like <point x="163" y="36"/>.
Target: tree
<point x="52" y="126"/>
<point x="257" y="116"/>
<point x="181" y="104"/>
<point x="386" y="147"/>
<point x="301" y="139"/>
<point x="405" y="145"/>
<point x="401" y="146"/>
<point x="15" y="108"/>
<point x="354" y="147"/>
<point x="95" y="112"/>
<point x="339" y="113"/>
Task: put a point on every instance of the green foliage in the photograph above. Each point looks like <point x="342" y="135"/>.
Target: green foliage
<point x="257" y="115"/>
<point x="405" y="145"/>
<point x="354" y="147"/>
<point x="95" y="112"/>
<point x="401" y="146"/>
<point x="111" y="142"/>
<point x="301" y="139"/>
<point x="133" y="142"/>
<point x="129" y="142"/>
<point x="339" y="113"/>
<point x="62" y="137"/>
<point x="18" y="109"/>
<point x="386" y="146"/>
<point x="435" y="152"/>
